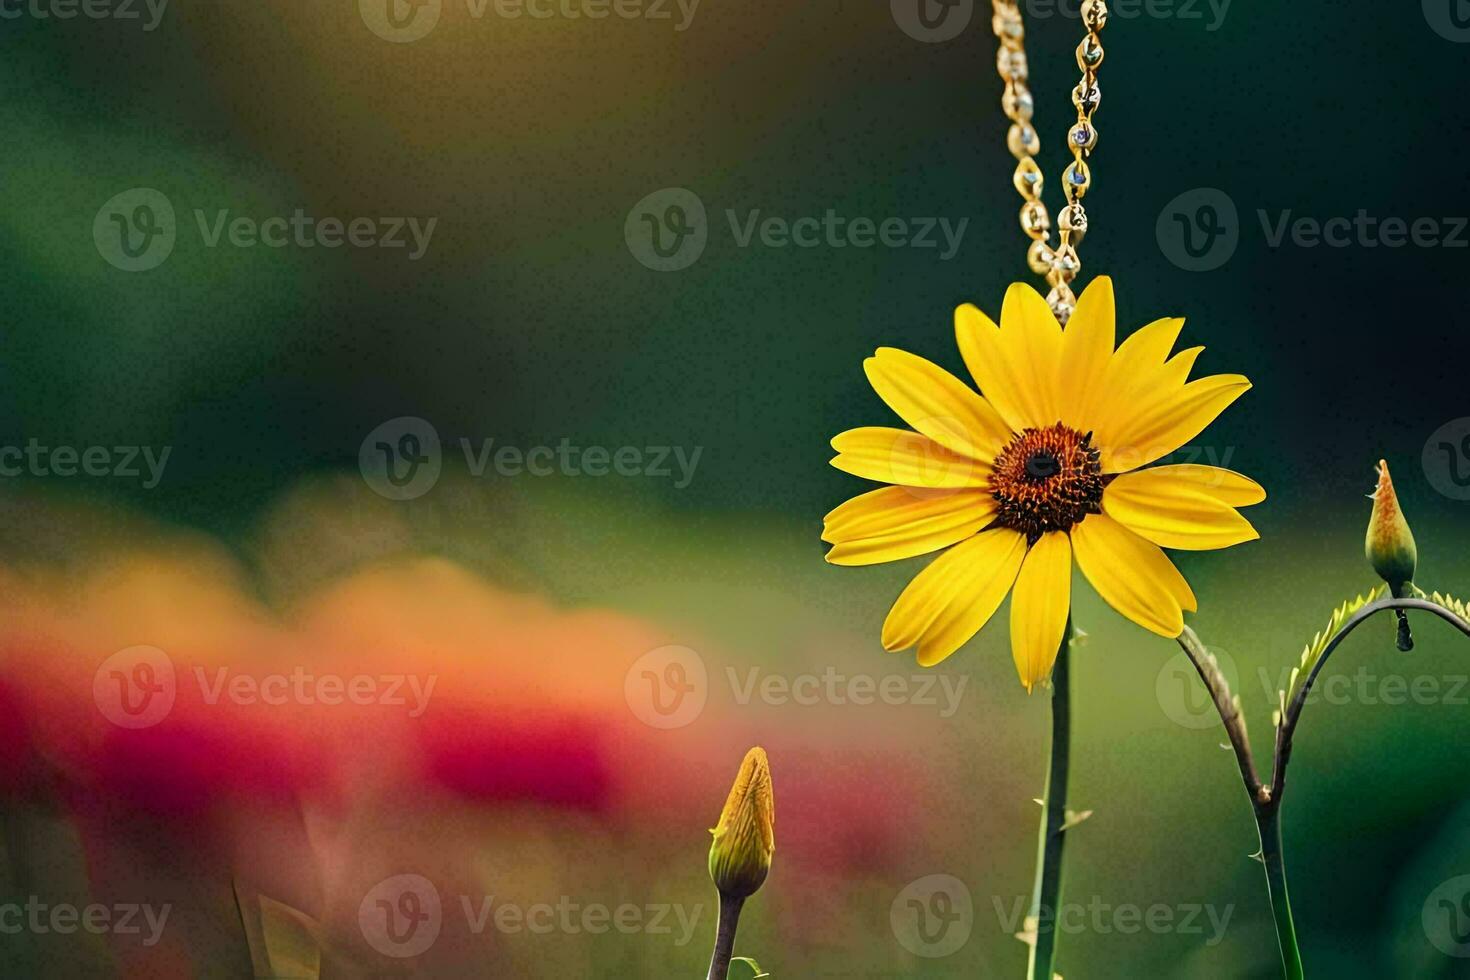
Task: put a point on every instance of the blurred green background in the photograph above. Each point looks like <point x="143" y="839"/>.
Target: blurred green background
<point x="530" y="320"/>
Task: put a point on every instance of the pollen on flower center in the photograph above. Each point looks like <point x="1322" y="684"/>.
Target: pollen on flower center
<point x="1046" y="480"/>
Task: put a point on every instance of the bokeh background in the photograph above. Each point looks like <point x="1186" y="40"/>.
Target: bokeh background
<point x="533" y="776"/>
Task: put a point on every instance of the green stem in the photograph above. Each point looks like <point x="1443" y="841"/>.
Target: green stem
<point x="719" y="964"/>
<point x="1047" y="891"/>
<point x="1266" y="799"/>
<point x="1268" y="822"/>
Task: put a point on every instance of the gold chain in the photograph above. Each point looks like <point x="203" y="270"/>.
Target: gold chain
<point x="1060" y="265"/>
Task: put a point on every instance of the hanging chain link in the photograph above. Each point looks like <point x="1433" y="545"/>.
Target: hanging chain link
<point x="1058" y="265"/>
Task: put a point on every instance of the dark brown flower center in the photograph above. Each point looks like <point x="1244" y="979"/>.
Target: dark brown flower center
<point x="1046" y="480"/>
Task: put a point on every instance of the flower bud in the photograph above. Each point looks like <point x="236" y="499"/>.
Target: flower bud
<point x="1390" y="549"/>
<point x="740" y="855"/>
<point x="1390" y="543"/>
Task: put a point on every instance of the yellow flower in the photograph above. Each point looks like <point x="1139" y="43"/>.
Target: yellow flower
<point x="745" y="838"/>
<point x="1041" y="469"/>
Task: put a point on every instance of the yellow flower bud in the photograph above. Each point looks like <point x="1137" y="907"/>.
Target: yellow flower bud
<point x="1390" y="544"/>
<point x="740" y="855"/>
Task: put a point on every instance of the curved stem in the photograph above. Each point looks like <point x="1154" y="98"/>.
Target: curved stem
<point x="1047" y="891"/>
<point x="1227" y="707"/>
<point x="1293" y="712"/>
<point x="719" y="964"/>
<point x="1266" y="800"/>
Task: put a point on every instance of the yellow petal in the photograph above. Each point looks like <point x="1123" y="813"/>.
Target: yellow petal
<point x="955" y="595"/>
<point x="1137" y="373"/>
<point x="979" y="342"/>
<point x="1087" y="347"/>
<point x="1140" y="359"/>
<point x="1039" y="606"/>
<point x="906" y="458"/>
<point x="1015" y="365"/>
<point x="1226" y="486"/>
<point x="1133" y="575"/>
<point x="1176" y="369"/>
<point x="937" y="404"/>
<point x="900" y="522"/>
<point x="1173" y="513"/>
<point x="1033" y="340"/>
<point x="1158" y="430"/>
